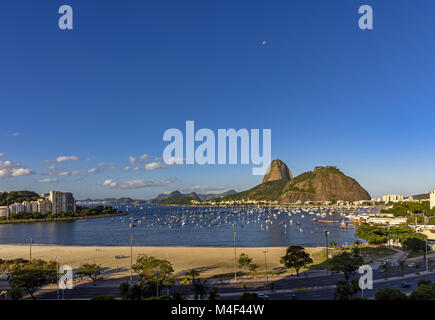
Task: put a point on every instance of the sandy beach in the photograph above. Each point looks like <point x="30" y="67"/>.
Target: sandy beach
<point x="208" y="260"/>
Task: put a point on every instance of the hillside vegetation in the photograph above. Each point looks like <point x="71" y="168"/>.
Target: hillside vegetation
<point x="8" y="198"/>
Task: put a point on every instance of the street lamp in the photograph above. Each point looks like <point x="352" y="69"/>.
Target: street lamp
<point x="265" y="262"/>
<point x="30" y="247"/>
<point x="427" y="265"/>
<point x="57" y="276"/>
<point x="131" y="258"/>
<point x="327" y="253"/>
<point x="235" y="258"/>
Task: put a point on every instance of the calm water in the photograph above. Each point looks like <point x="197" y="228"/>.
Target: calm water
<point x="163" y="226"/>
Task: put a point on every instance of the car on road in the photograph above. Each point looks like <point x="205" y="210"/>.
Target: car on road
<point x="263" y="296"/>
<point x="412" y="265"/>
<point x="405" y="284"/>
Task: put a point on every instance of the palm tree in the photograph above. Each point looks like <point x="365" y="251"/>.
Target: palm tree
<point x="189" y="277"/>
<point x="386" y="267"/>
<point x="186" y="281"/>
<point x="402" y="264"/>
<point x="200" y="289"/>
<point x="333" y="244"/>
<point x="193" y="273"/>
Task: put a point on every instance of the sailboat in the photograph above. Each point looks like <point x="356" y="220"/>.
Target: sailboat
<point x="342" y="224"/>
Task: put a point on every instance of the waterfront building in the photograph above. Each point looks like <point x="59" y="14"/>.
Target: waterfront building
<point x="432" y="199"/>
<point x="27" y="207"/>
<point x="62" y="202"/>
<point x="16" y="208"/>
<point x="34" y="206"/>
<point x="44" y="206"/>
<point x="392" y="198"/>
<point x="4" y="212"/>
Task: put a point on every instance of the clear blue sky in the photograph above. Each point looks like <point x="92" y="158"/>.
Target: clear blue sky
<point x="107" y="90"/>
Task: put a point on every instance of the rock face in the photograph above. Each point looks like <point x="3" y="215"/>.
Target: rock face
<point x="277" y="170"/>
<point x="323" y="184"/>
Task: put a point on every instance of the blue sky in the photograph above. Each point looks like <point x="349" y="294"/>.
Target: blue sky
<point x="107" y="90"/>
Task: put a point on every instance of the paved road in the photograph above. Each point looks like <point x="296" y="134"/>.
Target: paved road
<point x="283" y="288"/>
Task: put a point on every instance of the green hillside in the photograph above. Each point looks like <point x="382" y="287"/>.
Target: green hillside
<point x="8" y="198"/>
<point x="269" y="191"/>
<point x="175" y="200"/>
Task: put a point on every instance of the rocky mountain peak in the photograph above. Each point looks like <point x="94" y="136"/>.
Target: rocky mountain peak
<point x="277" y="170"/>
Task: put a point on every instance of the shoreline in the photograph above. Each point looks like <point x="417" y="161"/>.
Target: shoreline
<point x="47" y="220"/>
<point x="209" y="261"/>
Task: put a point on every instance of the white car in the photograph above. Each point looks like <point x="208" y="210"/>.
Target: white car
<point x="263" y="296"/>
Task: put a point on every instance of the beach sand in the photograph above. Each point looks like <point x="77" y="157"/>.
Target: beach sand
<point x="209" y="261"/>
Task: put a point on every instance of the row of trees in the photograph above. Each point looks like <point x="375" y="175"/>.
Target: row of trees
<point x="406" y="236"/>
<point x="80" y="212"/>
<point x="404" y="209"/>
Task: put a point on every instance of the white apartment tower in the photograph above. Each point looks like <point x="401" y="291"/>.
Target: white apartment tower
<point x="392" y="198"/>
<point x="62" y="202"/>
<point x="432" y="199"/>
<point x="44" y="206"/>
<point x="4" y="212"/>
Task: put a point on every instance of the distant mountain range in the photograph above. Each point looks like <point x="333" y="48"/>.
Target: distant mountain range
<point x="175" y="197"/>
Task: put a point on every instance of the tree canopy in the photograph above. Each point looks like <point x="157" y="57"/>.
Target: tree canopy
<point x="154" y="271"/>
<point x="90" y="270"/>
<point x="346" y="263"/>
<point x="296" y="258"/>
<point x="30" y="276"/>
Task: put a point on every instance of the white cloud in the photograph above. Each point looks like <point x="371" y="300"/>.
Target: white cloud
<point x="131" y="168"/>
<point x="155" y="166"/>
<point x="49" y="180"/>
<point x="139" y="160"/>
<point x="143" y="158"/>
<point x="9" y="169"/>
<point x="173" y="160"/>
<point x="14" y="134"/>
<point x="135" y="184"/>
<point x="63" y="174"/>
<point x="2" y="155"/>
<point x="108" y="165"/>
<point x="66" y="158"/>
<point x="93" y="170"/>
